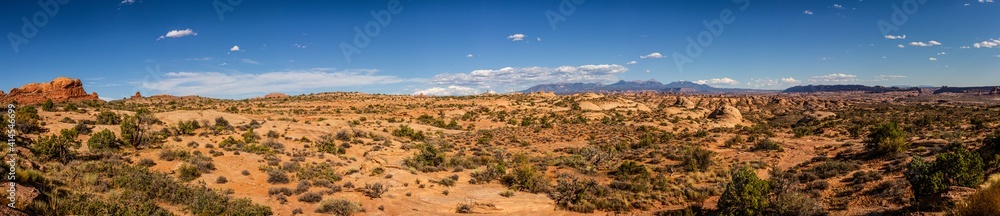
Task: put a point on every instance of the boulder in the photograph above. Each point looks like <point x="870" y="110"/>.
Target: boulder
<point x="58" y="90"/>
<point x="684" y="102"/>
<point x="727" y="113"/>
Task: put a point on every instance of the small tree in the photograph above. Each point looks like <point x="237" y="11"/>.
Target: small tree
<point x="58" y="147"/>
<point x="104" y="140"/>
<point x="135" y="128"/>
<point x="887" y="139"/>
<point x="746" y="194"/>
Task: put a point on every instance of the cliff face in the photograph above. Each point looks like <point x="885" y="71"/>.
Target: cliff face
<point x="59" y="90"/>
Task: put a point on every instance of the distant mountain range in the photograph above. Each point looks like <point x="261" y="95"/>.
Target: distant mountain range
<point x="841" y="88"/>
<point x="632" y="86"/>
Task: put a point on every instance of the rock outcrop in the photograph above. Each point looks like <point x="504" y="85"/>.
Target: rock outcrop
<point x="58" y="90"/>
<point x="275" y="95"/>
<point x="137" y="96"/>
<point x="684" y="102"/>
<point x="726" y="113"/>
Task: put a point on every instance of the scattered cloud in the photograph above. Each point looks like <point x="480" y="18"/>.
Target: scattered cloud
<point x="516" y="37"/>
<point x="469" y="56"/>
<point x="511" y="77"/>
<point x="177" y="34"/>
<point x="895" y="37"/>
<point x="248" y="61"/>
<point x="922" y="44"/>
<point x="647" y="71"/>
<point x="299" y="46"/>
<point x="718" y="81"/>
<point x="448" y="91"/>
<point x="933" y="59"/>
<point x="217" y="84"/>
<point x="632" y="62"/>
<point x="539" y="39"/>
<point x="223" y="64"/>
<point x="901" y="46"/>
<point x="991" y="43"/>
<point x="942" y="53"/>
<point x="888" y="77"/>
<point x="808" y="12"/>
<point x="985" y="1"/>
<point x="772" y="83"/>
<point x="838" y="6"/>
<point x="234" y="49"/>
<point x="654" y="55"/>
<point x="836" y="77"/>
<point x="199" y="59"/>
<point x="965" y="47"/>
<point x="127" y="2"/>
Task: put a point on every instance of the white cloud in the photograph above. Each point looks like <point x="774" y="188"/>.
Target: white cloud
<point x="895" y="37"/>
<point x="901" y="46"/>
<point x="772" y="83"/>
<point x="933" y="59"/>
<point x="217" y="84"/>
<point x="998" y="56"/>
<point x="985" y="1"/>
<point x="223" y="64"/>
<point x="942" y="53"/>
<point x="654" y="55"/>
<point x="838" y="6"/>
<point x="234" y="49"/>
<point x="965" y="47"/>
<point x="991" y="43"/>
<point x="539" y="39"/>
<point x="922" y="44"/>
<point x="632" y="62"/>
<point x="516" y="37"/>
<point x="127" y="2"/>
<point x="513" y="78"/>
<point x="647" y="71"/>
<point x="299" y="46"/>
<point x="449" y="91"/>
<point x="808" y="12"/>
<point x="718" y="81"/>
<point x="248" y="61"/>
<point x="837" y="77"/>
<point x="177" y="34"/>
<point x="469" y="56"/>
<point x="888" y="77"/>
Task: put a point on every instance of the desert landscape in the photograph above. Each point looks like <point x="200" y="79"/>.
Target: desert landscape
<point x="635" y="153"/>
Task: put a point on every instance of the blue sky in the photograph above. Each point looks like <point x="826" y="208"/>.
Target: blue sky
<point x="453" y="47"/>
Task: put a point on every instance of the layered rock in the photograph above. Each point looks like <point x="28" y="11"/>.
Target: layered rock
<point x="58" y="90"/>
<point x="137" y="96"/>
<point x="727" y="113"/>
<point x="275" y="95"/>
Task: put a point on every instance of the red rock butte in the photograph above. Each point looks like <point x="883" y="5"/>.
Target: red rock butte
<point x="58" y="90"/>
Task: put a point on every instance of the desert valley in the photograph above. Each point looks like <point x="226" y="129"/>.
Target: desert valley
<point x="850" y="152"/>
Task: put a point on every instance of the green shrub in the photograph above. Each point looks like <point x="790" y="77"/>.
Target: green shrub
<point x="576" y="195"/>
<point x="488" y="174"/>
<point x="959" y="167"/>
<point x="221" y="180"/>
<point x="58" y="147"/>
<point x="311" y="197"/>
<point x="108" y="118"/>
<point x="766" y="145"/>
<point x="104" y="140"/>
<point x="135" y="129"/>
<point x="887" y="139"/>
<point x="697" y="159"/>
<point x="188" y="172"/>
<point x="277" y="177"/>
<point x="328" y="143"/>
<point x="833" y="168"/>
<point x="795" y="203"/>
<point x="428" y="156"/>
<point x="374" y="190"/>
<point x="745" y="194"/>
<point x="984" y="202"/>
<point x="49" y="106"/>
<point x="338" y="207"/>
<point x="526" y="178"/>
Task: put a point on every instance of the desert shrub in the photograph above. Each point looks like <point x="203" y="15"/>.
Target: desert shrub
<point x="344" y="135"/>
<point x="958" y="167"/>
<point x="204" y="163"/>
<point x="886" y="139"/>
<point x="526" y="178"/>
<point x="221" y="180"/>
<point x="745" y="194"/>
<point x="833" y="168"/>
<point x="135" y="129"/>
<point x="573" y="194"/>
<point x="276" y="177"/>
<point x="82" y="128"/>
<point x="108" y="118"/>
<point x="734" y="142"/>
<point x="862" y="177"/>
<point x="311" y="197"/>
<point x="464" y="208"/>
<point x="447" y="182"/>
<point x="984" y="202"/>
<point x="338" y="207"/>
<point x="146" y="162"/>
<point x="795" y="203"/>
<point x="507" y="193"/>
<point x="250" y="136"/>
<point x="327" y="143"/>
<point x="406" y="131"/>
<point x="488" y="174"/>
<point x="49" y="106"/>
<point x="188" y="172"/>
<point x="427" y="156"/>
<point x="374" y="190"/>
<point x="56" y="147"/>
<point x="245" y="172"/>
<point x="187" y="127"/>
<point x="697" y="159"/>
<point x="990" y="152"/>
<point x="317" y="172"/>
<point x="303" y="187"/>
<point x="279" y="190"/>
<point x="273" y="144"/>
<point x="766" y="144"/>
<point x="104" y="140"/>
<point x="174" y="154"/>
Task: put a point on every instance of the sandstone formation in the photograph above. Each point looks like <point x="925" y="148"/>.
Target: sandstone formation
<point x="275" y="95"/>
<point x="727" y="113"/>
<point x="137" y="96"/>
<point x="59" y="90"/>
<point x="684" y="102"/>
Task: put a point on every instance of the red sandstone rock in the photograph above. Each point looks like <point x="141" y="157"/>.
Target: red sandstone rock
<point x="59" y="90"/>
<point x="275" y="95"/>
<point x="137" y="96"/>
